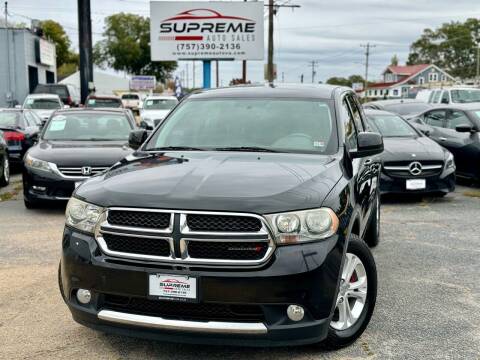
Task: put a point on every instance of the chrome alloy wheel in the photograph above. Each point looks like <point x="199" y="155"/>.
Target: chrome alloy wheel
<point x="6" y="169"/>
<point x="351" y="295"/>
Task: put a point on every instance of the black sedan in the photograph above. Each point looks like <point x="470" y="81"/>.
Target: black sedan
<point x="20" y="131"/>
<point x="457" y="129"/>
<point x="75" y="145"/>
<point x="4" y="163"/>
<point x="411" y="162"/>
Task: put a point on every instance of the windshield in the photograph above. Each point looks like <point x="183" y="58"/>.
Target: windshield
<point x="391" y="126"/>
<point x="104" y="103"/>
<point x="59" y="90"/>
<point x="303" y="126"/>
<point x="130" y="97"/>
<point x="465" y="96"/>
<point x="45" y="104"/>
<point x="91" y="126"/>
<point x="159" y="104"/>
<point x="9" y="119"/>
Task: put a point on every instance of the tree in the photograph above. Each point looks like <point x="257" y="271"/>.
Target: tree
<point x="127" y="47"/>
<point x="394" y="60"/>
<point x="345" y="81"/>
<point x="452" y="47"/>
<point x="53" y="31"/>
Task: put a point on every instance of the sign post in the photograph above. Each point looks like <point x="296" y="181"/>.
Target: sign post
<point x="206" y="31"/>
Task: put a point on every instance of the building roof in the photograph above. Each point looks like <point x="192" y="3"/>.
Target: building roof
<point x="406" y="69"/>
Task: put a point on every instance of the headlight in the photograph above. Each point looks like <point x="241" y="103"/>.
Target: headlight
<point x="82" y="215"/>
<point x="37" y="164"/>
<point x="303" y="226"/>
<point x="449" y="162"/>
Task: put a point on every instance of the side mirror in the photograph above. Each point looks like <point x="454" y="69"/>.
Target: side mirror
<point x="143" y="125"/>
<point x="465" y="128"/>
<point x="136" y="138"/>
<point x="369" y="143"/>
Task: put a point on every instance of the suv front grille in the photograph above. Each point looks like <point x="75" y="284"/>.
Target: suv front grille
<point x="223" y="223"/>
<point x="186" y="238"/>
<point x="183" y="311"/>
<point x="146" y="219"/>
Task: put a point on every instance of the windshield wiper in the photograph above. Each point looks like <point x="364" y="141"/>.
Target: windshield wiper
<point x="166" y="148"/>
<point x="245" y="148"/>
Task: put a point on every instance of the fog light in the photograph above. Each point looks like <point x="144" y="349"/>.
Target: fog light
<point x="39" y="188"/>
<point x="295" y="312"/>
<point x="84" y="296"/>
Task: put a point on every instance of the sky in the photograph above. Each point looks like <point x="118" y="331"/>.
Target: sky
<point x="329" y="32"/>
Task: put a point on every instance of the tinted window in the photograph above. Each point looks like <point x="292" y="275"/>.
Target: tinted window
<point x="407" y="108"/>
<point x="457" y="118"/>
<point x="349" y="126"/>
<point x="391" y="126"/>
<point x="88" y="126"/>
<point x="465" y="96"/>
<point x="31" y="121"/>
<point x="9" y="119"/>
<point x="48" y="104"/>
<point x="130" y="97"/>
<point x="159" y="104"/>
<point x="276" y="124"/>
<point x="104" y="103"/>
<point x="445" y="99"/>
<point x="435" y="118"/>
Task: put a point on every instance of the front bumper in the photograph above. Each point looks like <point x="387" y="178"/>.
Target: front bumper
<point x="443" y="183"/>
<point x="305" y="275"/>
<point x="42" y="185"/>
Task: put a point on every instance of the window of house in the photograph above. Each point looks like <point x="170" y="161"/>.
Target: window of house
<point x="443" y="77"/>
<point x="375" y="92"/>
<point x="432" y="77"/>
<point x="395" y="92"/>
<point x="421" y="80"/>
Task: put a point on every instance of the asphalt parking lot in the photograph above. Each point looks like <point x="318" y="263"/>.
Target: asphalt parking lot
<point x="428" y="305"/>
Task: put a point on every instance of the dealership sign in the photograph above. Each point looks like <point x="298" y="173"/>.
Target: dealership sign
<point x="206" y="30"/>
<point x="143" y="82"/>
<point x="45" y="52"/>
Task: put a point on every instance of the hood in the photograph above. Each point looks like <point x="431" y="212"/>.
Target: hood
<point x="420" y="148"/>
<point x="44" y="114"/>
<point x="80" y="153"/>
<point x="155" y="114"/>
<point x="217" y="181"/>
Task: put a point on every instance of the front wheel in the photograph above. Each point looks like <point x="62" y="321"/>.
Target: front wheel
<point x="5" y="173"/>
<point x="356" y="296"/>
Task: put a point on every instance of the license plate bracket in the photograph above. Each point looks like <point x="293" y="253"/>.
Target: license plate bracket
<point x="416" y="184"/>
<point x="181" y="288"/>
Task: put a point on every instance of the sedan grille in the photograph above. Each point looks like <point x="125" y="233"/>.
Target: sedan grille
<point x="402" y="169"/>
<point x="81" y="171"/>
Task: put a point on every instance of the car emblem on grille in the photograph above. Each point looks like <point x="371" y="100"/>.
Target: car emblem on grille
<point x="86" y="171"/>
<point x="415" y="168"/>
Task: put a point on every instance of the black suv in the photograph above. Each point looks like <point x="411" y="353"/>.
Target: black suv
<point x="243" y="219"/>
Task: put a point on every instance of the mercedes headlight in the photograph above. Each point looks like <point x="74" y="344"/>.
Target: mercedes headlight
<point x="82" y="215"/>
<point x="37" y="164"/>
<point x="449" y="161"/>
<point x="303" y="226"/>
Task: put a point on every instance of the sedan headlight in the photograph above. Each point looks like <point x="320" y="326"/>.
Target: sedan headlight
<point x="82" y="215"/>
<point x="37" y="164"/>
<point x="303" y="226"/>
<point x="449" y="161"/>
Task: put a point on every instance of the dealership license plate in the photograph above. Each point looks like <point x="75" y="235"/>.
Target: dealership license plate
<point x="173" y="287"/>
<point x="416" y="184"/>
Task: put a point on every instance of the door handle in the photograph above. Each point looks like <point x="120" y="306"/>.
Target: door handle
<point x="442" y="138"/>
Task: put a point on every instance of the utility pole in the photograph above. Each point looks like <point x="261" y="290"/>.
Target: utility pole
<point x="313" y="64"/>
<point x="9" y="89"/>
<point x="85" y="47"/>
<point x="478" y="65"/>
<point x="301" y="78"/>
<point x="272" y="10"/>
<point x="367" y="56"/>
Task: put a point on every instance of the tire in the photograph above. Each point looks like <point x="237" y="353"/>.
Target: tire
<point x="5" y="174"/>
<point x="59" y="278"/>
<point x="31" y="204"/>
<point x="372" y="236"/>
<point x="340" y="336"/>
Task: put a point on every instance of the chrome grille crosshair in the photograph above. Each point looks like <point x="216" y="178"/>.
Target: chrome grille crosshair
<point x="219" y="239"/>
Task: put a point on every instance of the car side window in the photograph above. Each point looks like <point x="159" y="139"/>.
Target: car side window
<point x="436" y="96"/>
<point x="29" y="119"/>
<point x="435" y="118"/>
<point x="457" y="118"/>
<point x="445" y="97"/>
<point x="349" y="126"/>
<point x="356" y="113"/>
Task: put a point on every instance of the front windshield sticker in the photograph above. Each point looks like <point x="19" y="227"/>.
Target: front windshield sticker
<point x="58" y="124"/>
<point x="149" y="102"/>
<point x="319" y="144"/>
